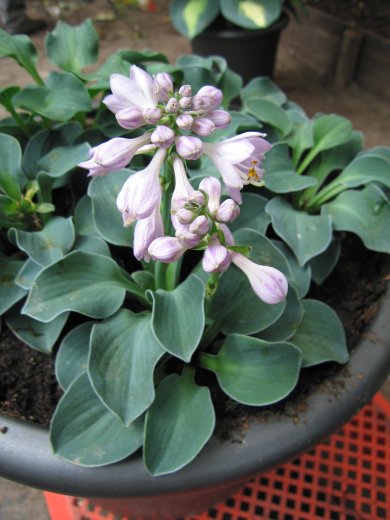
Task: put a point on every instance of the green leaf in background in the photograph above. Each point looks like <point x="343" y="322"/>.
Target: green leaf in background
<point x="307" y="235"/>
<point x="287" y="324"/>
<point x="280" y="175"/>
<point x="90" y="284"/>
<point x="252" y="14"/>
<point x="27" y="274"/>
<point x="365" y="213"/>
<point x="21" y="49"/>
<point x="72" y="356"/>
<point x="252" y="214"/>
<point x="255" y="372"/>
<point x="367" y="167"/>
<point x="270" y="113"/>
<point x="48" y="245"/>
<point x="91" y="245"/>
<point x="178" y="424"/>
<point x="199" y="71"/>
<point x="322" y="265"/>
<point x="10" y="293"/>
<point x="265" y="89"/>
<point x="6" y="95"/>
<point x="72" y="47"/>
<point x="123" y="355"/>
<point x="301" y="276"/>
<point x="11" y="175"/>
<point x="108" y="220"/>
<point x="320" y="335"/>
<point x="40" y="336"/>
<point x="191" y="17"/>
<point x="231" y="85"/>
<point x="301" y="136"/>
<point x="62" y="159"/>
<point x="60" y="99"/>
<point x="83" y="218"/>
<point x="85" y="432"/>
<point x="178" y="317"/>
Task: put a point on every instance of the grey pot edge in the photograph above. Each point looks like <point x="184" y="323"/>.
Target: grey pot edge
<point x="26" y="456"/>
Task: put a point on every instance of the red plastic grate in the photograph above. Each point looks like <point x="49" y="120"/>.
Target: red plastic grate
<point x="344" y="478"/>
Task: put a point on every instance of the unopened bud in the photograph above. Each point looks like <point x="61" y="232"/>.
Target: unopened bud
<point x="189" y="147"/>
<point x="198" y="198"/>
<point x="212" y="187"/>
<point x="186" y="238"/>
<point x="163" y="136"/>
<point x="202" y="103"/>
<point x="227" y="211"/>
<point x="130" y="118"/>
<point x="220" y="118"/>
<point x="203" y="126"/>
<point x="152" y="115"/>
<point x="172" y="106"/>
<point x="214" y="94"/>
<point x="162" y="86"/>
<point x="216" y="258"/>
<point x="184" y="121"/>
<point x="200" y="226"/>
<point x="166" y="249"/>
<point x="184" y="216"/>
<point x="185" y="91"/>
<point x="185" y="103"/>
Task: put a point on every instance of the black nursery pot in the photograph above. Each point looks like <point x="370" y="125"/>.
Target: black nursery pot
<point x="248" y="52"/>
<point x="282" y="434"/>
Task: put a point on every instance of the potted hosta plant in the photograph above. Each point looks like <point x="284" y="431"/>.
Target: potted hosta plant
<point x="210" y="306"/>
<point x="245" y="33"/>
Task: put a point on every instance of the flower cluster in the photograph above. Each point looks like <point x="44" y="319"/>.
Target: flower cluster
<point x="198" y="217"/>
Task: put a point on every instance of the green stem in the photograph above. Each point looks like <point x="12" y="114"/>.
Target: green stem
<point x="136" y="291"/>
<point x="208" y="361"/>
<point x="17" y="118"/>
<point x="305" y="163"/>
<point x="210" y="333"/>
<point x="329" y="192"/>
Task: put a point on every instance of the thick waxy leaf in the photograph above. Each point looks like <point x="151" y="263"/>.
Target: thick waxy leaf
<point x="27" y="274"/>
<point x="178" y="317"/>
<point x="252" y="214"/>
<point x="281" y="176"/>
<point x="199" y="71"/>
<point x="307" y="235"/>
<point x="322" y="265"/>
<point x="62" y="159"/>
<point x="92" y="245"/>
<point x="252" y="14"/>
<point x="320" y="335"/>
<point x="72" y="356"/>
<point x="255" y="372"/>
<point x="365" y="213"/>
<point x="21" y="49"/>
<point x="365" y="168"/>
<point x="83" y="218"/>
<point x="10" y="293"/>
<point x="108" y="220"/>
<point x="301" y="276"/>
<point x="287" y="324"/>
<point x="301" y="137"/>
<point x="63" y="96"/>
<point x="231" y="85"/>
<point x="85" y="432"/>
<point x="11" y="176"/>
<point x="270" y="113"/>
<point x="72" y="48"/>
<point x="90" y="284"/>
<point x="178" y="424"/>
<point x="38" y="335"/>
<point x="124" y="353"/>
<point x="263" y="88"/>
<point x="191" y="17"/>
<point x="48" y="245"/>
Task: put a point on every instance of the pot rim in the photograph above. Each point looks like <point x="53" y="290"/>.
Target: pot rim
<point x="265" y="445"/>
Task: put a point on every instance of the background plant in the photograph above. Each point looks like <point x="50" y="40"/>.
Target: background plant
<point x="63" y="247"/>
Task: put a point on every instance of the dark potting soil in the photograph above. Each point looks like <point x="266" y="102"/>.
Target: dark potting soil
<point x="28" y="388"/>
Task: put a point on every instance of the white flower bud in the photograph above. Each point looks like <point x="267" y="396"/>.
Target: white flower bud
<point x="152" y="115"/>
<point x="200" y="226"/>
<point x="184" y="121"/>
<point x="203" y="126"/>
<point x="162" y="86"/>
<point x="227" y="211"/>
<point x="185" y="103"/>
<point x="185" y="91"/>
<point x="189" y="147"/>
<point x="184" y="216"/>
<point x="172" y="106"/>
<point x="163" y="136"/>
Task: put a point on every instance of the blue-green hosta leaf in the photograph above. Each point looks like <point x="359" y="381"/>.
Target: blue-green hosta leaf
<point x="10" y="293"/>
<point x="27" y="274"/>
<point x="365" y="168"/>
<point x="178" y="317"/>
<point x="263" y="88"/>
<point x="307" y="235"/>
<point x="60" y="99"/>
<point x="178" y="424"/>
<point x="301" y="137"/>
<point x="85" y="432"/>
<point x="252" y="214"/>
<point x="199" y="71"/>
<point x="252" y="14"/>
<point x="72" y="355"/>
<point x="90" y="284"/>
<point x="231" y="85"/>
<point x="144" y="279"/>
<point x="11" y="175"/>
<point x="255" y="372"/>
<point x="108" y="220"/>
<point x="62" y="159"/>
<point x="322" y="265"/>
<point x="301" y="276"/>
<point x="287" y="324"/>
<point x="320" y="335"/>
<point x="191" y="17"/>
<point x="123" y="355"/>
<point x="91" y="245"/>
<point x="21" y="49"/>
<point x="280" y="176"/>
<point x="72" y="47"/>
<point x="83" y="219"/>
<point x="365" y="213"/>
<point x="48" y="245"/>
<point x="38" y="335"/>
<point x="270" y="113"/>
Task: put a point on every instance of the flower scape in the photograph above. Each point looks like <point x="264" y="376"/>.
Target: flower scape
<point x="231" y="216"/>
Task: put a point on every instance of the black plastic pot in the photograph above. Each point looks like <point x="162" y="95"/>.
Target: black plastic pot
<point x="26" y="456"/>
<point x="250" y="53"/>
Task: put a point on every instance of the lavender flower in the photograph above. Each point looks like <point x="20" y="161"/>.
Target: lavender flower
<point x="216" y="257"/>
<point x="147" y="230"/>
<point x="162" y="86"/>
<point x="163" y="136"/>
<point x="203" y="126"/>
<point x="189" y="147"/>
<point x="166" y="249"/>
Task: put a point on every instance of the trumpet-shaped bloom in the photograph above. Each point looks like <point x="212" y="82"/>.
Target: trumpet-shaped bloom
<point x="269" y="284"/>
<point x="113" y="155"/>
<point x="166" y="249"/>
<point x="134" y="92"/>
<point x="147" y="230"/>
<point x="239" y="160"/>
<point x="141" y="193"/>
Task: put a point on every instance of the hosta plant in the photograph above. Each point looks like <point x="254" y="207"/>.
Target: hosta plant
<point x="136" y="244"/>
